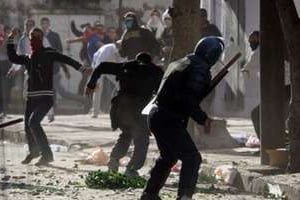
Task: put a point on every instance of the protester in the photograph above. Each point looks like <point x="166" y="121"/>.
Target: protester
<point x="138" y="81"/>
<point x="39" y="65"/>
<point x="106" y="53"/>
<point x="111" y="35"/>
<point x="207" y="28"/>
<point x="251" y="73"/>
<point x="155" y="24"/>
<point x="55" y="43"/>
<point x="167" y="38"/>
<point x="79" y="34"/>
<point x="184" y="85"/>
<point x="92" y="40"/>
<point x="136" y="39"/>
<point x="23" y="48"/>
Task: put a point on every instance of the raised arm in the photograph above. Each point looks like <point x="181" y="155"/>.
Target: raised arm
<point x="74" y="29"/>
<point x="11" y="51"/>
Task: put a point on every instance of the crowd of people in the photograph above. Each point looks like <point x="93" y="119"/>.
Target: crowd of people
<point x="155" y="37"/>
<point x="125" y="69"/>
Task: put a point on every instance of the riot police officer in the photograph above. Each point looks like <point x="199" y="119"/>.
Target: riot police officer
<point x="185" y="84"/>
<point x="138" y="80"/>
<point x="136" y="39"/>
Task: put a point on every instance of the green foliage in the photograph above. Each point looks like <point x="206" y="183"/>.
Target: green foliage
<point x="204" y="178"/>
<point x="112" y="180"/>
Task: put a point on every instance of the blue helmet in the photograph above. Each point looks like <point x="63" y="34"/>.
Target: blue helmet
<point x="209" y="49"/>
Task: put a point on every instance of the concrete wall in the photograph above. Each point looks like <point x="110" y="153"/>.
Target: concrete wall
<point x="252" y="15"/>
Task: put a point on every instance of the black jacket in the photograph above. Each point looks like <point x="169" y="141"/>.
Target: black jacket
<point x="135" y="78"/>
<point x="40" y="68"/>
<point x="184" y="87"/>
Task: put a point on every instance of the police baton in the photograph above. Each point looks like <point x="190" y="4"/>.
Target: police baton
<point x="216" y="80"/>
<point x="11" y="122"/>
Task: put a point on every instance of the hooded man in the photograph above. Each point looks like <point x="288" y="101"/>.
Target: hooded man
<point x="139" y="80"/>
<point x="39" y="65"/>
<point x="183" y="87"/>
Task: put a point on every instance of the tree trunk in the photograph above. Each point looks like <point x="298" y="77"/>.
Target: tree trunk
<point x="186" y="26"/>
<point x="272" y="80"/>
<point x="290" y="24"/>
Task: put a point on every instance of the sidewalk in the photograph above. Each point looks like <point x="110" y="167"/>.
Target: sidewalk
<point x="87" y="133"/>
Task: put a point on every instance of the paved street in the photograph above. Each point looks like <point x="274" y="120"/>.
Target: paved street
<point x="81" y="134"/>
<point x="64" y="180"/>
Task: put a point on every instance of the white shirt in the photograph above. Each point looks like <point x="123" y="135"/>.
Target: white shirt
<point x="107" y="53"/>
<point x="252" y="80"/>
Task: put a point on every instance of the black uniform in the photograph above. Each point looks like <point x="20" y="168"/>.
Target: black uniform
<point x="137" y="40"/>
<point x="138" y="81"/>
<point x="179" y="98"/>
<point x="39" y="93"/>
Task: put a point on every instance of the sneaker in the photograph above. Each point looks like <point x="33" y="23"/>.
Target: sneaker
<point x="29" y="158"/>
<point x="44" y="160"/>
<point x="131" y="173"/>
<point x="113" y="165"/>
<point x="147" y="196"/>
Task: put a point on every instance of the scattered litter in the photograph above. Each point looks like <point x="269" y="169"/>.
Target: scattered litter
<point x="58" y="148"/>
<point x="253" y="141"/>
<point x="226" y="174"/>
<point x="54" y="148"/>
<point x="97" y="157"/>
<point x="241" y="139"/>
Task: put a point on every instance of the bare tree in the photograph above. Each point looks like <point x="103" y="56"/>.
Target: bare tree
<point x="290" y="24"/>
<point x="186" y="27"/>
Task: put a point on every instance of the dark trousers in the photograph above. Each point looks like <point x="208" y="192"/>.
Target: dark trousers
<point x="126" y="115"/>
<point x="174" y="143"/>
<point x="36" y="110"/>
<point x="255" y="113"/>
<point x="256" y="120"/>
<point x="140" y="138"/>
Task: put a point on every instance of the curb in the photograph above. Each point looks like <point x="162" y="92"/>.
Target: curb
<point x="259" y="181"/>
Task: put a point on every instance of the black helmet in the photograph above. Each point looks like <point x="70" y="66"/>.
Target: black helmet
<point x="144" y="57"/>
<point x="209" y="49"/>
